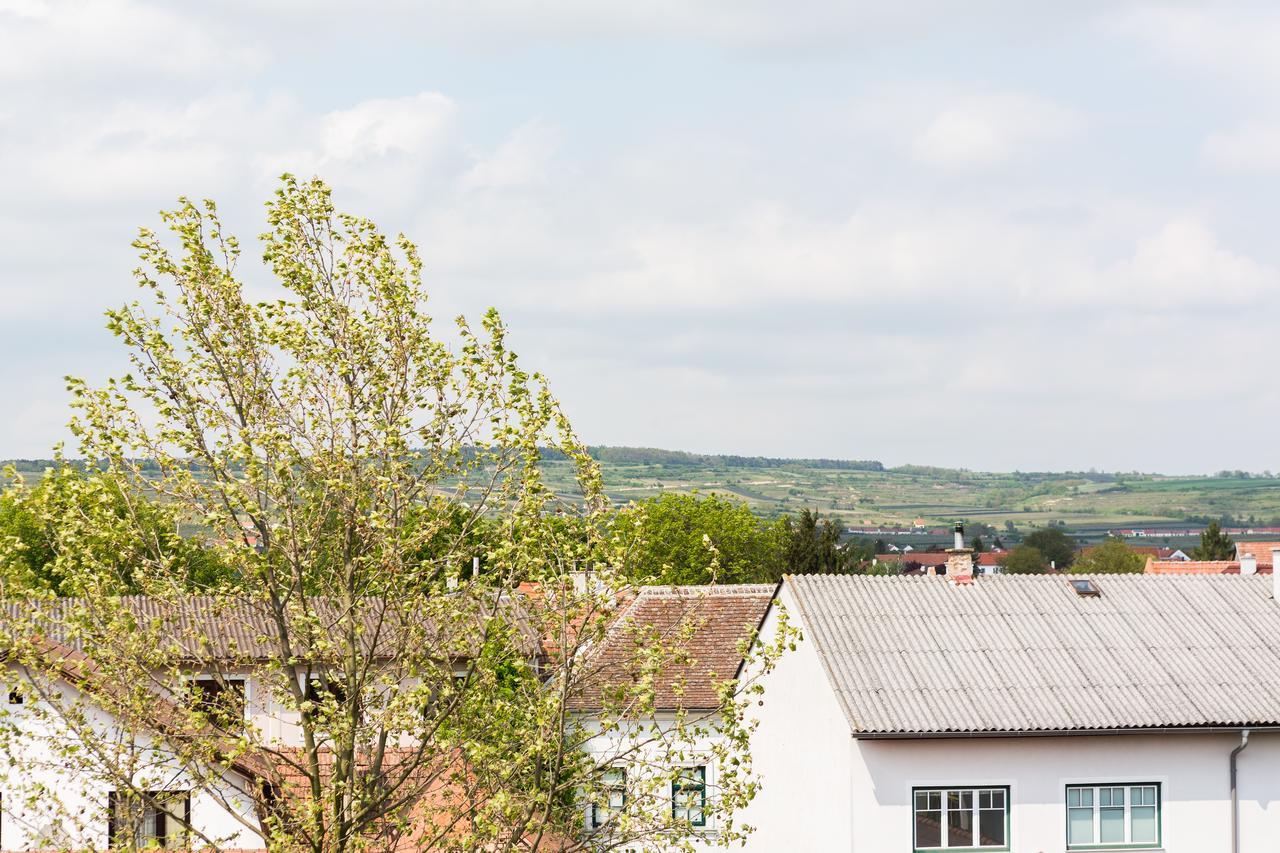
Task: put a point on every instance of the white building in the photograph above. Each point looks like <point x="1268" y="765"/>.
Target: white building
<point x="671" y="760"/>
<point x="1033" y="713"/>
<point x="55" y="795"/>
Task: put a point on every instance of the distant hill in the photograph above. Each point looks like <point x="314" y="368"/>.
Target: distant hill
<point x="865" y="494"/>
<point x="678" y="458"/>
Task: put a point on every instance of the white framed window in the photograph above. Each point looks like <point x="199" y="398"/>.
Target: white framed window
<point x="154" y="820"/>
<point x="689" y="795"/>
<point x="961" y="818"/>
<point x="1108" y="816"/>
<point x="611" y="798"/>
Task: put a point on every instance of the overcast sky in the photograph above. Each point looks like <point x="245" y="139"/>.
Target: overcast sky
<point x="993" y="234"/>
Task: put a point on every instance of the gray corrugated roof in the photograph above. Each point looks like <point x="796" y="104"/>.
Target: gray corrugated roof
<point x="1018" y="653"/>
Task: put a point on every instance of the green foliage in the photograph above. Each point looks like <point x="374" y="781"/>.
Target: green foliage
<point x="672" y="539"/>
<point x="1112" y="556"/>
<point x="81" y="532"/>
<point x="1214" y="544"/>
<point x="348" y="466"/>
<point x="978" y="546"/>
<point x="1056" y="546"/>
<point x="1024" y="560"/>
<point x="813" y="545"/>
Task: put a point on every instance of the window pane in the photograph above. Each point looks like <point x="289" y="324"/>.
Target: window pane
<point x="1073" y="797"/>
<point x="928" y="829"/>
<point x="1110" y="824"/>
<point x="959" y="819"/>
<point x="1080" y="826"/>
<point x="991" y="827"/>
<point x="1144" y="823"/>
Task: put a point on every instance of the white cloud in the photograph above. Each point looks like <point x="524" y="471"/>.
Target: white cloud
<point x="746" y="24"/>
<point x="1238" y="40"/>
<point x="1184" y="266"/>
<point x="415" y="126"/>
<point x="94" y="39"/>
<point x="676" y="199"/>
<point x="523" y="160"/>
<point x="981" y="131"/>
<point x="1252" y="148"/>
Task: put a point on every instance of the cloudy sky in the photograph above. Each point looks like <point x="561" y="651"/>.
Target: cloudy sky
<point x="996" y="234"/>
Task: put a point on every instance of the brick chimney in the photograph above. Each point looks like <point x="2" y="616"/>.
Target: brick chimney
<point x="960" y="559"/>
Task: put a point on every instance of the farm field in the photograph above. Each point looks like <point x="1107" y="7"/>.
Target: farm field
<point x="865" y="494"/>
<point x="934" y="496"/>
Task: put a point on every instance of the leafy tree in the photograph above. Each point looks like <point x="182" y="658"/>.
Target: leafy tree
<point x="345" y="465"/>
<point x="1111" y="556"/>
<point x="1054" y="545"/>
<point x="78" y="532"/>
<point x="978" y="546"/>
<point x="673" y="536"/>
<point x="1214" y="544"/>
<point x="1024" y="560"/>
<point x="813" y="545"/>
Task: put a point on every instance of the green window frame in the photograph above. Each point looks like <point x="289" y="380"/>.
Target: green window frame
<point x="612" y="797"/>
<point x="959" y="818"/>
<point x="689" y="795"/>
<point x="1114" y="816"/>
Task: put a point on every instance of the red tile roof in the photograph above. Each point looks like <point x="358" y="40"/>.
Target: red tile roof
<point x="702" y="630"/>
<point x="1260" y="550"/>
<point x="1200" y="567"/>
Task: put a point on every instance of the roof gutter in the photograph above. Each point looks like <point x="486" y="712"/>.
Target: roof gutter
<point x="1235" y="794"/>
<point x="1158" y="730"/>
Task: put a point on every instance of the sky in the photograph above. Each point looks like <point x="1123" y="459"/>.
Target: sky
<point x="1000" y="234"/>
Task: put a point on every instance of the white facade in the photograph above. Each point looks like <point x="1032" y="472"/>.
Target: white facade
<point x="49" y="800"/>
<point x="824" y="790"/>
<point x="650" y="744"/>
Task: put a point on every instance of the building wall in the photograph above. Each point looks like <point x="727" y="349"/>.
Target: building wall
<point x="48" y="801"/>
<point x="1192" y="771"/>
<point x="801" y="752"/>
<point x="638" y="745"/>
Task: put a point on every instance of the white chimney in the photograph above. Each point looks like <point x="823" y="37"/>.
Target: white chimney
<point x="1248" y="564"/>
<point x="1275" y="573"/>
<point x="959" y="537"/>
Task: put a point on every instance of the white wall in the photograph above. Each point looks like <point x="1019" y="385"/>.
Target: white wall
<point x="1191" y="769"/>
<point x="801" y="752"/>
<point x="47" y="799"/>
<point x="822" y="790"/>
<point x="638" y="745"/>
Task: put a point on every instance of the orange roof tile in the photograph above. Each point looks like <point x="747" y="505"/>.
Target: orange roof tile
<point x="1200" y="567"/>
<point x="701" y="628"/>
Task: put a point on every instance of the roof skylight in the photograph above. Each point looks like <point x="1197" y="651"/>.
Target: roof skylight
<point x="1084" y="587"/>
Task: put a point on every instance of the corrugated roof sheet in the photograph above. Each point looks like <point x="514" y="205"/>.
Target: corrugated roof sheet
<point x="1025" y="653"/>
